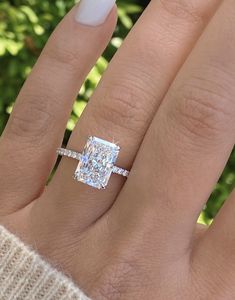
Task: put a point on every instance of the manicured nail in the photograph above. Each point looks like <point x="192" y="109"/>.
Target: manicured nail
<point x="94" y="12"/>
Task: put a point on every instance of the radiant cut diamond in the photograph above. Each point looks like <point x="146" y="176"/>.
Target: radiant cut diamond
<point x="96" y="163"/>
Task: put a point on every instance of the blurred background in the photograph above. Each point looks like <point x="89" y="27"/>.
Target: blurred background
<point x="25" y="26"/>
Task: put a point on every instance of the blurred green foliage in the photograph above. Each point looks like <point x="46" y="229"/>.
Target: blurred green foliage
<point x="25" y="26"/>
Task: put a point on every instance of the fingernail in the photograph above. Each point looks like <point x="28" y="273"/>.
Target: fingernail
<point x="94" y="12"/>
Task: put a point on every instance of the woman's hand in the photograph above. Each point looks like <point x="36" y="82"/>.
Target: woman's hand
<point x="168" y="98"/>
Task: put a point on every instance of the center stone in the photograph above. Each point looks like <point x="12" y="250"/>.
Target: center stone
<point x="96" y="164"/>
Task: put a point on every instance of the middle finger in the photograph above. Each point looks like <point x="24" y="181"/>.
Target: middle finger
<point x="190" y="138"/>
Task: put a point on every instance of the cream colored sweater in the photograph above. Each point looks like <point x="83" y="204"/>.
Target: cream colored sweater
<point x="24" y="275"/>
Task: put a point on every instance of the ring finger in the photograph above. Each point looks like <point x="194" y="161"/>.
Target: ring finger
<point x="36" y="126"/>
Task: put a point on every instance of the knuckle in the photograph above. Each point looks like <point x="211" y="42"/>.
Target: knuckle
<point x="182" y="9"/>
<point x="30" y="122"/>
<point x="202" y="108"/>
<point x="122" y="108"/>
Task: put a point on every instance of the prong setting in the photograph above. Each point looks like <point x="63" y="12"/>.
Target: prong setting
<point x="96" y="162"/>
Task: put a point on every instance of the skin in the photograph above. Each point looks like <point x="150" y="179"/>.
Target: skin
<point x="168" y="99"/>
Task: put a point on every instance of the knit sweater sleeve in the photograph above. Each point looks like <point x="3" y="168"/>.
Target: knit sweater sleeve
<point x="25" y="275"/>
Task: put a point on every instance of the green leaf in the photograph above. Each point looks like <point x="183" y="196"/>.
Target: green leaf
<point x="78" y="108"/>
<point x="29" y="13"/>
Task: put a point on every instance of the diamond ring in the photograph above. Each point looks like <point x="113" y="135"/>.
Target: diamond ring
<point x="96" y="162"/>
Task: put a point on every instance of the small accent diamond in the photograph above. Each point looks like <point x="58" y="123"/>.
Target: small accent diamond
<point x="120" y="171"/>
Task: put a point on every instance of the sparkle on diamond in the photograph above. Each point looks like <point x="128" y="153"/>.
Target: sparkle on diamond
<point x="97" y="161"/>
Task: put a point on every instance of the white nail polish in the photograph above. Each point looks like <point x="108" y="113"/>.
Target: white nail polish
<point x="94" y="12"/>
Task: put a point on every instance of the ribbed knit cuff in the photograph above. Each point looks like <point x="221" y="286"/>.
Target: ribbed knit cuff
<point x="24" y="275"/>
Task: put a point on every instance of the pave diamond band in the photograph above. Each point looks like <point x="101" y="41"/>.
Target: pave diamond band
<point x="120" y="171"/>
<point x="69" y="153"/>
<point x="96" y="163"/>
<point x="78" y="156"/>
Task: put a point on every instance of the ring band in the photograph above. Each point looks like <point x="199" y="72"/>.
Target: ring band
<point x="96" y="162"/>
